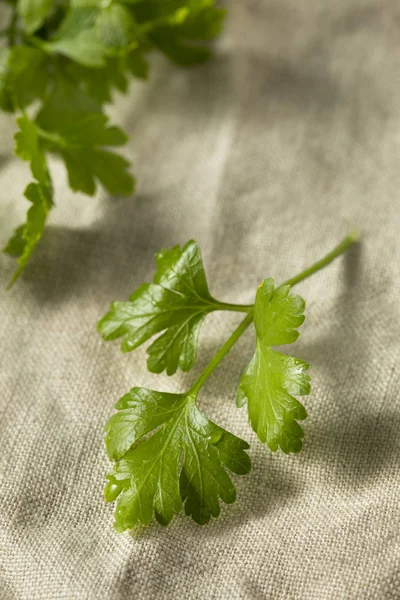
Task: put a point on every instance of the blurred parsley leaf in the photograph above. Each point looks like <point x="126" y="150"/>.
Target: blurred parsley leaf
<point x="175" y="39"/>
<point x="24" y="76"/>
<point x="26" y="236"/>
<point x="99" y="84"/>
<point x="77" y="38"/>
<point x="64" y="61"/>
<point x="272" y="379"/>
<point x="90" y="33"/>
<point x="73" y="126"/>
<point x="6" y="90"/>
<point x="33" y="13"/>
<point x="28" y="147"/>
<point x="81" y="142"/>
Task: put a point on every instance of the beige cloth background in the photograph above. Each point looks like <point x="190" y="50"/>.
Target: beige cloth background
<point x="265" y="156"/>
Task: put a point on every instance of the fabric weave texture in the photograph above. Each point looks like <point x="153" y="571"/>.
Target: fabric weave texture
<point x="266" y="156"/>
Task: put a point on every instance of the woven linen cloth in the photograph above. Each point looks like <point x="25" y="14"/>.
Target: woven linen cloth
<point x="266" y="156"/>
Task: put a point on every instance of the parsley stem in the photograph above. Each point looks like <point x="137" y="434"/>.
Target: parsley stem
<point x="235" y="307"/>
<point x="222" y="352"/>
<point x="353" y="237"/>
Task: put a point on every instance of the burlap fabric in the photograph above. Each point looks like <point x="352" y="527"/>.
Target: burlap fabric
<point x="265" y="156"/>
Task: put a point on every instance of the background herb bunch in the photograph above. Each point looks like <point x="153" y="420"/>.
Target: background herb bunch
<point x="60" y="63"/>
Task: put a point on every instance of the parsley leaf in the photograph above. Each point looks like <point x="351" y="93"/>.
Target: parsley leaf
<point x="28" y="147"/>
<point x="33" y="13"/>
<point x="24" y="76"/>
<point x="100" y="83"/>
<point x="25" y="237"/>
<point x="154" y="12"/>
<point x="77" y="38"/>
<point x="272" y="379"/>
<point x="73" y="126"/>
<point x="169" y="42"/>
<point x="115" y="27"/>
<point x="175" y="38"/>
<point x="30" y="68"/>
<point x="176" y="303"/>
<point x="151" y="475"/>
<point x="90" y="33"/>
<point x="6" y="101"/>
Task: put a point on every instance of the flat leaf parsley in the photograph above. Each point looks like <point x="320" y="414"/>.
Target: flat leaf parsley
<point x="166" y="452"/>
<point x="176" y="303"/>
<point x="151" y="475"/>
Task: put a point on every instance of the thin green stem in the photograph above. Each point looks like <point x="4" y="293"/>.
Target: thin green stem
<point x="235" y="307"/>
<point x="222" y="352"/>
<point x="353" y="237"/>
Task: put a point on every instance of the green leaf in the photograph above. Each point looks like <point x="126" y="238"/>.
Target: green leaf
<point x="99" y="83"/>
<point x="172" y="25"/>
<point x="72" y="125"/>
<point x="6" y="100"/>
<point x="90" y="33"/>
<point x="88" y="164"/>
<point x="177" y="50"/>
<point x="24" y="76"/>
<point x="66" y="105"/>
<point x="30" y="68"/>
<point x="272" y="379"/>
<point x="27" y="147"/>
<point x="174" y="32"/>
<point x="33" y="13"/>
<point x="25" y="238"/>
<point x="156" y="11"/>
<point x="16" y="244"/>
<point x="185" y="459"/>
<point x="77" y="38"/>
<point x="115" y="26"/>
<point x="87" y="3"/>
<point x="203" y="24"/>
<point x="137" y="64"/>
<point x="177" y="302"/>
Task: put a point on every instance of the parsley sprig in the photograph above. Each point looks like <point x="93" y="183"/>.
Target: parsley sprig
<point x="61" y="63"/>
<point x="166" y="452"/>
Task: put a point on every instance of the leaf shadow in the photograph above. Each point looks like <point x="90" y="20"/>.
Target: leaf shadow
<point x="359" y="451"/>
<point x="5" y="159"/>
<point x="354" y="437"/>
<point x="269" y="473"/>
<point x="107" y="260"/>
<point x="187" y="103"/>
